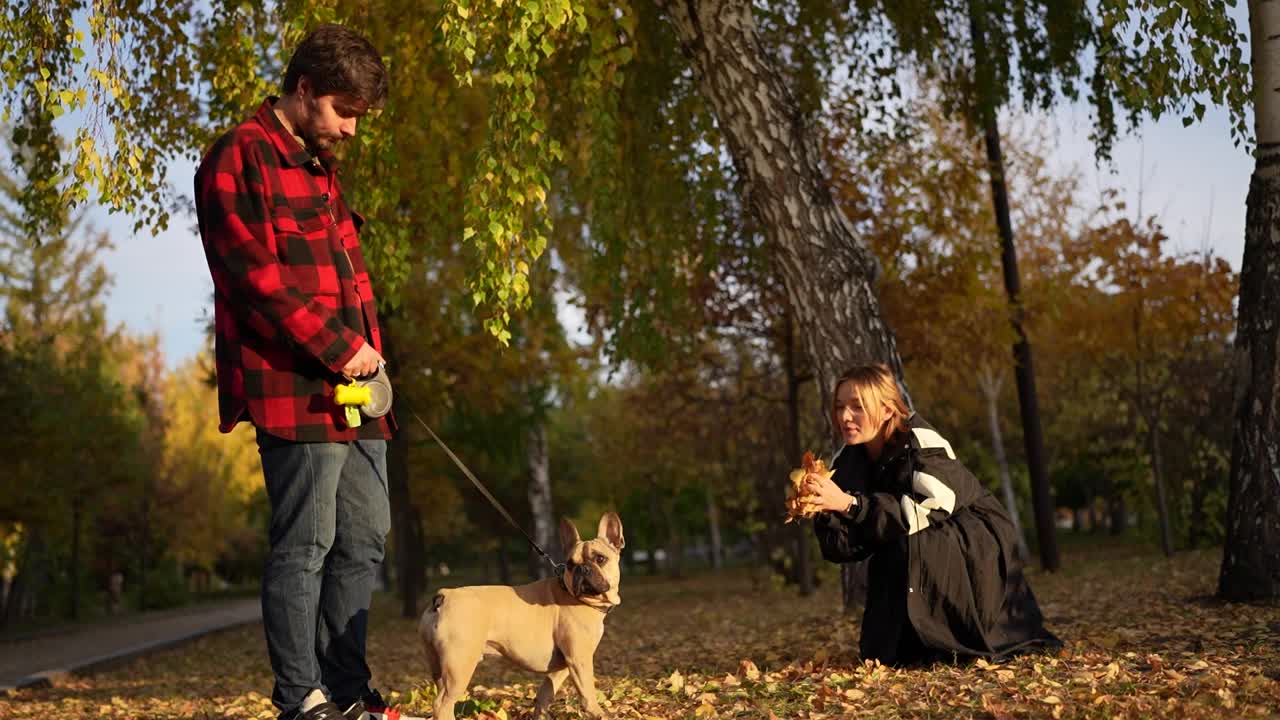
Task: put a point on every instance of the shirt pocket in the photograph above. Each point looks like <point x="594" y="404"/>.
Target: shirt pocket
<point x="305" y="243"/>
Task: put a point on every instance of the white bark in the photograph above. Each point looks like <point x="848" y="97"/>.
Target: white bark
<point x="544" y="527"/>
<point x="1251" y="553"/>
<point x="1264" y="27"/>
<point x="828" y="270"/>
<point x="990" y="384"/>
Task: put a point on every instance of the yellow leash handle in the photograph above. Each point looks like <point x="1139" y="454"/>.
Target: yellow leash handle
<point x="351" y="398"/>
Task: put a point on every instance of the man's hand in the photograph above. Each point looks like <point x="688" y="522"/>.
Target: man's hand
<point x="364" y="362"/>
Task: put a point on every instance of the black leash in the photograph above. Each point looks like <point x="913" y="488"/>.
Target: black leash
<point x="556" y="568"/>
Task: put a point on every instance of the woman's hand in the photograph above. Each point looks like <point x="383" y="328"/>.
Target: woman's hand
<point x="825" y="494"/>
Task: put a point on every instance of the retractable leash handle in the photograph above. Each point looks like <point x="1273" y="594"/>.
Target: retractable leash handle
<point x="368" y="397"/>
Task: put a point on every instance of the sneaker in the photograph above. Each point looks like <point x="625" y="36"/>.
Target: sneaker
<point x="371" y="707"/>
<point x="323" y="711"/>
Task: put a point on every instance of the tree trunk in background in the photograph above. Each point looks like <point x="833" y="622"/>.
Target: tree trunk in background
<point x="800" y="533"/>
<point x="1119" y="513"/>
<point x="144" y="544"/>
<point x="1196" y="524"/>
<point x="675" y="539"/>
<point x="504" y="564"/>
<point x="828" y="270"/>
<point x="655" y="524"/>
<point x="406" y="542"/>
<point x="1251" y="553"/>
<point x="77" y="516"/>
<point x="1162" y="503"/>
<point x="713" y="525"/>
<point x="33" y="567"/>
<point x="1024" y="368"/>
<point x="544" y="526"/>
<point x="420" y="551"/>
<point x="990" y="385"/>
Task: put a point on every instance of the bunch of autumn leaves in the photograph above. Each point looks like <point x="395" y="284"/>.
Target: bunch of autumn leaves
<point x="802" y="504"/>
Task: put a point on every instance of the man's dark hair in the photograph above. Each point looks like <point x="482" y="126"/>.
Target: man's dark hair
<point x="338" y="61"/>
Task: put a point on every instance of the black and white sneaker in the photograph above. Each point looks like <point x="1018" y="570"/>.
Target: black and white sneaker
<point x="372" y="707"/>
<point x="323" y="711"/>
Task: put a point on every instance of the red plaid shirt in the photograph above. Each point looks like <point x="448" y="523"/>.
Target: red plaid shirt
<point x="292" y="299"/>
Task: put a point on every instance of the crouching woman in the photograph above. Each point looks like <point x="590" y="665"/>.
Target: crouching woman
<point x="943" y="579"/>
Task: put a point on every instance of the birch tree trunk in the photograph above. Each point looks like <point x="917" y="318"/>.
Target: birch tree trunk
<point x="1251" y="554"/>
<point x="536" y="458"/>
<point x="990" y="384"/>
<point x="828" y="271"/>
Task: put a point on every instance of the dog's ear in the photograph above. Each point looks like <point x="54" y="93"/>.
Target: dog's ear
<point x="568" y="536"/>
<point x="611" y="529"/>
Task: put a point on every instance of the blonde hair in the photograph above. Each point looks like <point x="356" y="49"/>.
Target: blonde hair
<point x="876" y="388"/>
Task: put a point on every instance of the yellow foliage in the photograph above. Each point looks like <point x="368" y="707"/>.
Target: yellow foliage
<point x="211" y="478"/>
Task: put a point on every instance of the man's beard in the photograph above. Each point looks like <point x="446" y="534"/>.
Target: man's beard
<point x="315" y="143"/>
<point x="309" y="137"/>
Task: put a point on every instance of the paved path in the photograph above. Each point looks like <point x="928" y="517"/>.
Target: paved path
<point x="41" y="658"/>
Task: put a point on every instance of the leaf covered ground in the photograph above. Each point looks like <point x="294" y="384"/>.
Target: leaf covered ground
<point x="1144" y="640"/>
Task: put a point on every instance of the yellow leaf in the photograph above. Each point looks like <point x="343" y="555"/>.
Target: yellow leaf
<point x="1051" y="700"/>
<point x="1228" y="700"/>
<point x="749" y="670"/>
<point x="676" y="681"/>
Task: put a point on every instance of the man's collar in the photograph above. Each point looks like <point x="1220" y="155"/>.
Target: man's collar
<point x="286" y="144"/>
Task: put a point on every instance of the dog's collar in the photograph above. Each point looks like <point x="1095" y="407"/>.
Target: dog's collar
<point x="605" y="609"/>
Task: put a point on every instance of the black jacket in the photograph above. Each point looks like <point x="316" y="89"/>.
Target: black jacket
<point x="943" y="578"/>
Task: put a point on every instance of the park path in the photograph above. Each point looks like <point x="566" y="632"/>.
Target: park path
<point x="43" y="657"/>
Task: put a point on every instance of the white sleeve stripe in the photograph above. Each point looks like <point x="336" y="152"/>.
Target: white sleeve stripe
<point x="931" y="439"/>
<point x="936" y="493"/>
<point x="917" y="517"/>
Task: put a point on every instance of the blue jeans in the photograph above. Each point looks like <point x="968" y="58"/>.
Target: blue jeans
<point x="330" y="515"/>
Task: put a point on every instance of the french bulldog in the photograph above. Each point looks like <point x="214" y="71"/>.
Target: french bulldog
<point x="551" y="626"/>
